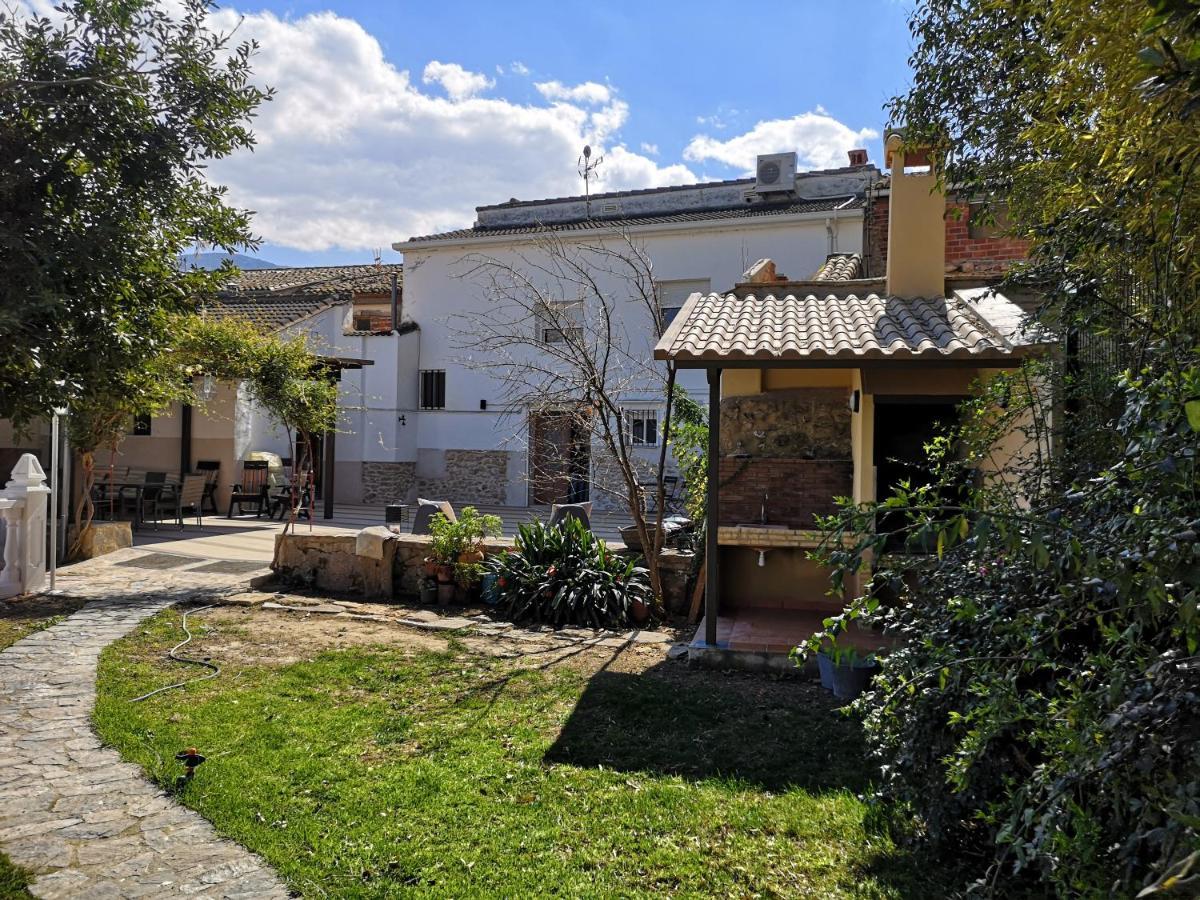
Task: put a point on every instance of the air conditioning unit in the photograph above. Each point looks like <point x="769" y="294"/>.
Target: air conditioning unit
<point x="776" y="172"/>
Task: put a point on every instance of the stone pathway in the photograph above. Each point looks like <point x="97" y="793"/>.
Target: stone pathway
<point x="71" y="811"/>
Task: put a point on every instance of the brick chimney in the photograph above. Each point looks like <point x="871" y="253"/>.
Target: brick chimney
<point x="857" y="157"/>
<point x="916" y="253"/>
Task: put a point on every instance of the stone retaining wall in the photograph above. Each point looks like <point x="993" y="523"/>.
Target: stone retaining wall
<point x="329" y="562"/>
<point x="464" y="477"/>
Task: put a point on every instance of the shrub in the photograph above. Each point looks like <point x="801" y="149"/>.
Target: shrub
<point x="452" y="540"/>
<point x="568" y="576"/>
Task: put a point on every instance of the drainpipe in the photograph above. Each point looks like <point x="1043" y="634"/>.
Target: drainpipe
<point x="395" y="304"/>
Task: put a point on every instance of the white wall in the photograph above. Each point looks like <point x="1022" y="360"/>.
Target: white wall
<point x="442" y="303"/>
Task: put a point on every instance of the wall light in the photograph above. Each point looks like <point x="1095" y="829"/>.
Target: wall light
<point x="855" y="403"/>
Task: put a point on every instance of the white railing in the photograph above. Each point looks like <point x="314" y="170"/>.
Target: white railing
<point x="23" y="505"/>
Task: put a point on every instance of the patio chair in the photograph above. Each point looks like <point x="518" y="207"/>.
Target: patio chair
<point x="426" y="510"/>
<point x="252" y="490"/>
<point x="561" y="512"/>
<point x="211" y="470"/>
<point x="175" y="499"/>
<point x="155" y="488"/>
<point x="282" y="493"/>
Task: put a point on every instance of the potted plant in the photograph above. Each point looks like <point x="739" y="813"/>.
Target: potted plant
<point x="429" y="591"/>
<point x="457" y="548"/>
<point x="845" y="671"/>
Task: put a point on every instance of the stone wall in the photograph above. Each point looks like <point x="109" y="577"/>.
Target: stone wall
<point x="329" y="562"/>
<point x="387" y="482"/>
<point x="607" y="490"/>
<point x="804" y="423"/>
<point x="464" y="477"/>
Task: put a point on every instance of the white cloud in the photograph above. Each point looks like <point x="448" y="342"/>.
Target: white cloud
<point x="649" y="149"/>
<point x="458" y="82"/>
<point x="589" y="92"/>
<point x="518" y="68"/>
<point x="820" y="140"/>
<point x="353" y="154"/>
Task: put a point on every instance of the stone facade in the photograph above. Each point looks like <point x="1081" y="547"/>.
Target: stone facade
<point x="466" y="477"/>
<point x="806" y="423"/>
<point x="387" y="482"/>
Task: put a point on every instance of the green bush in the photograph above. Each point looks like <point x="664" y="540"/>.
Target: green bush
<point x="450" y="540"/>
<point x="568" y="576"/>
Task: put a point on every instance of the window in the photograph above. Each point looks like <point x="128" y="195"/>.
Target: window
<point x="559" y="320"/>
<point x="673" y="294"/>
<point x="141" y="424"/>
<point x="433" y="389"/>
<point x="641" y="426"/>
<point x="558" y="335"/>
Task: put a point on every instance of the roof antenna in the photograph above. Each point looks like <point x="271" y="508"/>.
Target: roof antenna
<point x="379" y="257"/>
<point x="587" y="170"/>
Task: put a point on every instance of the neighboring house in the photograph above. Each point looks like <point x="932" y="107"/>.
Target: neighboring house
<point x="817" y="393"/>
<point x="345" y="314"/>
<point x="465" y="444"/>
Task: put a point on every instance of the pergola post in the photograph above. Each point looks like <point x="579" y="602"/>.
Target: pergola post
<point x="327" y="453"/>
<point x="185" y="440"/>
<point x="713" y="513"/>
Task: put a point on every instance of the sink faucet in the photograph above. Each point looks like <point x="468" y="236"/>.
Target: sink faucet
<point x="762" y="513"/>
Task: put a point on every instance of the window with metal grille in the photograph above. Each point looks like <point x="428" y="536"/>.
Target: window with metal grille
<point x="641" y="425"/>
<point x="433" y="389"/>
<point x="141" y="424"/>
<point x="558" y="335"/>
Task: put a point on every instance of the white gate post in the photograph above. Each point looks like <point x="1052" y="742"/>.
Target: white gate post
<point x="25" y="537"/>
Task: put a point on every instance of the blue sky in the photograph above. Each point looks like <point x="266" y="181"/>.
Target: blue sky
<point x="395" y="119"/>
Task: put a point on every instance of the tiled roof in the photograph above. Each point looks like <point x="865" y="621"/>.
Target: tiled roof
<point x="840" y="267"/>
<point x="639" y="192"/>
<point x="271" y="312"/>
<point x="368" y="279"/>
<point x="823" y="204"/>
<point x="790" y="328"/>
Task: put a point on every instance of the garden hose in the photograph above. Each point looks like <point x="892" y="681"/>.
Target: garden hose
<point x="216" y="670"/>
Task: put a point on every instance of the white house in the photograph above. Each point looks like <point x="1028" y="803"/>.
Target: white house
<point x="459" y="441"/>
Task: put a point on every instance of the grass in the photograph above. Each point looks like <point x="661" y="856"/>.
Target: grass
<point x="376" y="772"/>
<point x="25" y="615"/>
<point x="13" y="880"/>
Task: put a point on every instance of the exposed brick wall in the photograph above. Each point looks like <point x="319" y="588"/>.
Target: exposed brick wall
<point x="963" y="253"/>
<point x="797" y="489"/>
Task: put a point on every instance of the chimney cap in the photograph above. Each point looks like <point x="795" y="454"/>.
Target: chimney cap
<point x="858" y="157"/>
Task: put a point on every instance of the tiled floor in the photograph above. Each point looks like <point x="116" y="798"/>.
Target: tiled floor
<point x="760" y="630"/>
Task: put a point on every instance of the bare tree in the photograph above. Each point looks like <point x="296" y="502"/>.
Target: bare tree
<point x="555" y="334"/>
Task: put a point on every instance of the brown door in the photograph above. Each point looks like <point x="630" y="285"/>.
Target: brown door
<point x="558" y="458"/>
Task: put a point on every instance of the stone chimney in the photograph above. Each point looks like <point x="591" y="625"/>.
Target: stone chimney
<point x="916" y="250"/>
<point x="857" y="157"/>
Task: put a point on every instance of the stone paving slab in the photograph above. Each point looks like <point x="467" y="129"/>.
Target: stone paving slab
<point x="86" y="823"/>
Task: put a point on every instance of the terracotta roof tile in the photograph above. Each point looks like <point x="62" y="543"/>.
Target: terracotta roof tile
<point x="840" y="267"/>
<point x="268" y="312"/>
<point x="727" y="327"/>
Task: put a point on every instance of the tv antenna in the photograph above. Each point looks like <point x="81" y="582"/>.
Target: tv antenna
<point x="587" y="171"/>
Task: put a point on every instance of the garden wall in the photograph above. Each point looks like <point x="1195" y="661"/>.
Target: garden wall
<point x="337" y="563"/>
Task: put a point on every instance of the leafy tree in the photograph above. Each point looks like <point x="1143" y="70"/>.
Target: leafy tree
<point x="109" y="113"/>
<point x="284" y="377"/>
<point x="1041" y="719"/>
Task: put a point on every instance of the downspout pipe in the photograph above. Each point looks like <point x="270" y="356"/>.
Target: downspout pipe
<point x="395" y="304"/>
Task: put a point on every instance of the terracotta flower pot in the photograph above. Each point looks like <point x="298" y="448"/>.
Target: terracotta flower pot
<point x="445" y="574"/>
<point x="470" y="556"/>
<point x="445" y="592"/>
<point x="430" y="567"/>
<point x="639" y="611"/>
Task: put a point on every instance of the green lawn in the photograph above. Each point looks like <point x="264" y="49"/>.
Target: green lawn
<point x="12" y="880"/>
<point x="377" y="771"/>
<point x="25" y="615"/>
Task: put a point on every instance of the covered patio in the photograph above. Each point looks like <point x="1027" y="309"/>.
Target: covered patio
<point x="803" y="395"/>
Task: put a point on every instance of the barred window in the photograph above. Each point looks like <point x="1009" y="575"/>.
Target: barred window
<point x="559" y="320"/>
<point x="141" y="424"/>
<point x="641" y="426"/>
<point x="433" y="389"/>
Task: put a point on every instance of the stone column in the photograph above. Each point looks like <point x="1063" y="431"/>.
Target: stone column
<point x="25" y="520"/>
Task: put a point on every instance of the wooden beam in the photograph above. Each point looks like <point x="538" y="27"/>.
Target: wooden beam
<point x="713" y="513"/>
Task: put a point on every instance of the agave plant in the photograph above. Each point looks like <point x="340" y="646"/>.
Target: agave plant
<point x="567" y="576"/>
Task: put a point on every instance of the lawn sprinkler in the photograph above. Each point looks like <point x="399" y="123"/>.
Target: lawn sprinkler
<point x="190" y="758"/>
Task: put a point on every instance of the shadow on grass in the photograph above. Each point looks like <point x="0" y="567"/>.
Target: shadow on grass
<point x="699" y="725"/>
